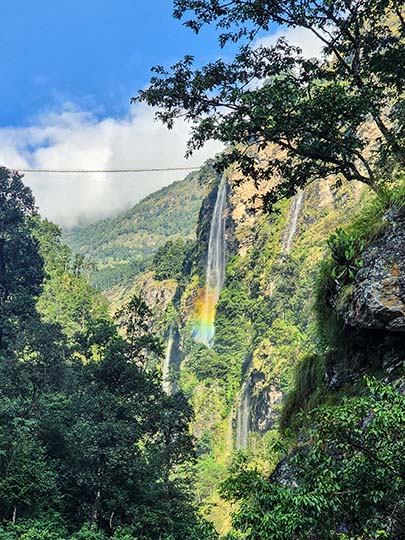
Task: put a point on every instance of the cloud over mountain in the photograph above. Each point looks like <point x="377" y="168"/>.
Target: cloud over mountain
<point x="75" y="139"/>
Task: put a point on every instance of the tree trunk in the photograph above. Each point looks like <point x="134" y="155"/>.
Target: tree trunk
<point x="14" y="514"/>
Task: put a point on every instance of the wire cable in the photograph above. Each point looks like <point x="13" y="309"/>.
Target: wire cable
<point x="86" y="171"/>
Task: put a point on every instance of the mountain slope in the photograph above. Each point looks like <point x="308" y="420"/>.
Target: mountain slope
<point x="266" y="329"/>
<point x="122" y="246"/>
<point x="264" y="320"/>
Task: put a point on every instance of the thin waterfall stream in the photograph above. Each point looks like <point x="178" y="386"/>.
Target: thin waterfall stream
<point x="166" y="382"/>
<point x="216" y="262"/>
<point x="243" y="418"/>
<point x="292" y="221"/>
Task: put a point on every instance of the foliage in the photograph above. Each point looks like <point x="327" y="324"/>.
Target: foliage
<point x="329" y="326"/>
<point x="135" y="318"/>
<point x="308" y="378"/>
<point x="67" y="299"/>
<point x="396" y="192"/>
<point x="357" y="450"/>
<point x="169" y="259"/>
<point x="233" y="329"/>
<point x="345" y="251"/>
<point x="90" y="446"/>
<point x="315" y="111"/>
<point x="203" y="362"/>
<point x="21" y="266"/>
<point x="114" y="274"/>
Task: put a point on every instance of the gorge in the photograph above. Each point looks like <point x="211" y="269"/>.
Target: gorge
<point x="239" y="320"/>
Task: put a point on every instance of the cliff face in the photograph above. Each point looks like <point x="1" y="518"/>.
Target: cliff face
<point x="372" y="308"/>
<point x="278" y="257"/>
<point x="366" y="337"/>
<point x="157" y="294"/>
<point x="264" y="318"/>
<point x="265" y="321"/>
<point x="377" y="299"/>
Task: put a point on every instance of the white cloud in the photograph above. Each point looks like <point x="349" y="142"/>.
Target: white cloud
<point x="74" y="139"/>
<point x="310" y="44"/>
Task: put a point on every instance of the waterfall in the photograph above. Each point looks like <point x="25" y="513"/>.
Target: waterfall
<point x="292" y="221"/>
<point x="243" y="418"/>
<point x="216" y="245"/>
<point x="166" y="384"/>
<point x="216" y="261"/>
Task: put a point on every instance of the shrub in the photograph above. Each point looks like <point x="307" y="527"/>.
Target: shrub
<point x="344" y="481"/>
<point x="345" y="250"/>
<point x="169" y="258"/>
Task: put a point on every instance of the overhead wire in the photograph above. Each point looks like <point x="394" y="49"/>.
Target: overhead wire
<point x="92" y="171"/>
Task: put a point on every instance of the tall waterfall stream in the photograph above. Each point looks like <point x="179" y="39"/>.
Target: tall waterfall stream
<point x="243" y="418"/>
<point x="216" y="262"/>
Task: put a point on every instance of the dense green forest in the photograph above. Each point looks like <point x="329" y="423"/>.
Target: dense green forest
<point x="90" y="445"/>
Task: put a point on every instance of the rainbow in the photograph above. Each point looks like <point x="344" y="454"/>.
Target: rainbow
<point x="204" y="316"/>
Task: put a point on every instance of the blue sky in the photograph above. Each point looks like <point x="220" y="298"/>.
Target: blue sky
<point x="68" y="69"/>
<point x="95" y="53"/>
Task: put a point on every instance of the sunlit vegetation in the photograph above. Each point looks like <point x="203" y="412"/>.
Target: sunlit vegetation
<point x="91" y="448"/>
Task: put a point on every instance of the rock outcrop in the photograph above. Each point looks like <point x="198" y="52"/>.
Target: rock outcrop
<point x="372" y="309"/>
<point x="377" y="298"/>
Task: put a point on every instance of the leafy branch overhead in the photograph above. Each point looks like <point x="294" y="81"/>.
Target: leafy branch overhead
<point x="340" y="115"/>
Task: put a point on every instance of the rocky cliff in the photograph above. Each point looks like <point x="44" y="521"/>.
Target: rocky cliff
<point x="376" y="299"/>
<point x="264" y="317"/>
<point x="371" y="308"/>
<point x="362" y="323"/>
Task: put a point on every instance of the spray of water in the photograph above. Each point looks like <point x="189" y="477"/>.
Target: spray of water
<point x="206" y="304"/>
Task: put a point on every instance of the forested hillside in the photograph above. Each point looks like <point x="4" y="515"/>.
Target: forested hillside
<point x="270" y="333"/>
<point x="122" y="247"/>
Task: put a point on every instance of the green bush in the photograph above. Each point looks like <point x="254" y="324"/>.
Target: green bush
<point x="344" y="481"/>
<point x="169" y="258"/>
<point x="346" y="250"/>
